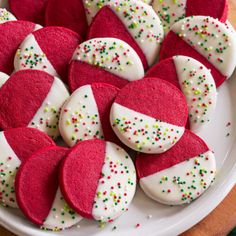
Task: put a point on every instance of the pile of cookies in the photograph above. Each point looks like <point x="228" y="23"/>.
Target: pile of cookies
<point x="127" y="85"/>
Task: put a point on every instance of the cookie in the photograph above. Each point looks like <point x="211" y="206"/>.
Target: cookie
<point x="3" y="78"/>
<point x="32" y="98"/>
<point x="85" y="115"/>
<point x="179" y="175"/>
<point x="49" y="49"/>
<point x="206" y="40"/>
<point x="149" y="115"/>
<point x="6" y="16"/>
<point x="144" y="36"/>
<point x="195" y="81"/>
<point x="16" y="146"/>
<point x="38" y="194"/>
<point x="170" y="11"/>
<point x="29" y="10"/>
<point x="104" y="60"/>
<point x="12" y="33"/>
<point x="98" y="180"/>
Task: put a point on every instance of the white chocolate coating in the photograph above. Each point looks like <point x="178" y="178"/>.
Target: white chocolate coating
<point x="79" y="119"/>
<point x="112" y="55"/>
<point x="211" y="39"/>
<point x="61" y="216"/>
<point x="30" y="56"/>
<point x="183" y="182"/>
<point x="3" y="78"/>
<point x="46" y="118"/>
<point x="141" y="132"/>
<point x="143" y="24"/>
<point x="9" y="164"/>
<point x="169" y="11"/>
<point x="199" y="88"/>
<point x="116" y="187"/>
<point x="6" y="16"/>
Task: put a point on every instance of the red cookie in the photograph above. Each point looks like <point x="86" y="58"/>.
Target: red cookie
<point x="49" y="49"/>
<point x="89" y="118"/>
<point x="32" y="98"/>
<point x="29" y="10"/>
<point x="16" y="146"/>
<point x="149" y="115"/>
<point x="37" y="190"/>
<point x="71" y="16"/>
<point x="205" y="39"/>
<point x="98" y="180"/>
<point x="104" y="60"/>
<point x="196" y="83"/>
<point x="12" y="33"/>
<point x="179" y="175"/>
<point x="144" y="36"/>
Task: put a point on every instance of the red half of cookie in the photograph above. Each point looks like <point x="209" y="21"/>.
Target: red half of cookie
<point x="72" y="16"/>
<point x="29" y="10"/>
<point x="11" y="35"/>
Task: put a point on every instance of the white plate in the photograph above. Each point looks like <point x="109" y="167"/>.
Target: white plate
<point x="165" y="220"/>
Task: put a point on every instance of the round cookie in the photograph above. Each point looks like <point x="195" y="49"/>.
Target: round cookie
<point x="98" y="180"/>
<point x="149" y="115"/>
<point x="195" y="81"/>
<point x="3" y="78"/>
<point x="32" y="98"/>
<point x="45" y="207"/>
<point x="85" y="115"/>
<point x="48" y="49"/>
<point x="16" y="146"/>
<point x="179" y="175"/>
<point x="171" y="11"/>
<point x="206" y="40"/>
<point x="12" y="33"/>
<point x="144" y="36"/>
<point x="104" y="60"/>
<point x="29" y="10"/>
<point x="6" y="16"/>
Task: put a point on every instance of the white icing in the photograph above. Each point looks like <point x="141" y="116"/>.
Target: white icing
<point x="61" y="216"/>
<point x="47" y="117"/>
<point x="6" y="16"/>
<point x="143" y="133"/>
<point x="30" y="56"/>
<point x="79" y="119"/>
<point x="193" y="177"/>
<point x="143" y="25"/>
<point x="211" y="39"/>
<point x="9" y="164"/>
<point x="199" y="88"/>
<point x="116" y="187"/>
<point x="112" y="55"/>
<point x="169" y="11"/>
<point x="3" y="78"/>
<point x="37" y="27"/>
